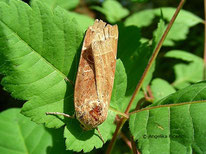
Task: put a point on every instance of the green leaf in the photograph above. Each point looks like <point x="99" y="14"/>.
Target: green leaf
<point x="66" y="4"/>
<point x="57" y="141"/>
<point x="39" y="56"/>
<point x="178" y="32"/>
<point x="158" y="33"/>
<point x="78" y="139"/>
<point x="76" y="136"/>
<point x="141" y="18"/>
<point x="139" y="1"/>
<point x="180" y="28"/>
<point x="173" y="128"/>
<point x="148" y="78"/>
<point x="134" y="55"/>
<point x="20" y="135"/>
<point x="184" y="17"/>
<point x="160" y="89"/>
<point x="119" y="88"/>
<point x="6" y="1"/>
<point x="113" y="10"/>
<point x="183" y="55"/>
<point x="186" y="73"/>
<point x="157" y="36"/>
<point x="83" y="21"/>
<point x="36" y="60"/>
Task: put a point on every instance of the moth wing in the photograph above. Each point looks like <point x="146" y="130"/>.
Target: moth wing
<point x="95" y="75"/>
<point x="104" y="53"/>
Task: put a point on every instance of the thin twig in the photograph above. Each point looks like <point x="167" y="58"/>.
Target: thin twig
<point x="150" y="93"/>
<point x="154" y="55"/>
<point x="118" y="127"/>
<point x="126" y="140"/>
<point x="167" y="105"/>
<point x="119" y="113"/>
<point x="204" y="67"/>
<point x="134" y="148"/>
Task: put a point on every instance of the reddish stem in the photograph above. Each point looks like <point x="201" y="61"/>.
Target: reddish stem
<point x="134" y="148"/>
<point x="150" y="92"/>
<point x="204" y="68"/>
<point x="126" y="140"/>
<point x="118" y="127"/>
<point x="149" y="98"/>
<point x="154" y="55"/>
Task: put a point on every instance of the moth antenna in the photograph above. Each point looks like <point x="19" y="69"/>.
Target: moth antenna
<point x="58" y="113"/>
<point x="100" y="135"/>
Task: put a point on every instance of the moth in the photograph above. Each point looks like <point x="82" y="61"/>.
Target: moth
<point x="95" y="76"/>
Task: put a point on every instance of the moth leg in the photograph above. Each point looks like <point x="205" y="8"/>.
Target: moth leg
<point x="58" y="113"/>
<point x="66" y="79"/>
<point x="100" y="135"/>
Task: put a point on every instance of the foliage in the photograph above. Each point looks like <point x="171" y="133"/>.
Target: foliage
<point x="62" y="3"/>
<point x="186" y="73"/>
<point x="179" y="30"/>
<point x="174" y="126"/>
<point x="19" y="135"/>
<point x="161" y="88"/>
<point x="113" y="10"/>
<point x="40" y="46"/>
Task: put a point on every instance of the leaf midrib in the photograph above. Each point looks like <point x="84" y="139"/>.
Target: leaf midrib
<point x="168" y="105"/>
<point x="22" y="138"/>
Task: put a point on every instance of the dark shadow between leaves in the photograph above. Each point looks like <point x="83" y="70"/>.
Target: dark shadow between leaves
<point x="58" y="144"/>
<point x="75" y="129"/>
<point x="134" y="55"/>
<point x="69" y="95"/>
<point x="74" y="68"/>
<point x="73" y="125"/>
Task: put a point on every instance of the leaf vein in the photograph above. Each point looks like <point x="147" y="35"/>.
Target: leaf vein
<point x="32" y="50"/>
<point x="22" y="138"/>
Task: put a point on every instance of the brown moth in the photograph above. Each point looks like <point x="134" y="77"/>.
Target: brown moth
<point x="95" y="76"/>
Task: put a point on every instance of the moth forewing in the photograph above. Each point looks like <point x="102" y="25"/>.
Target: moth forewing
<point x="104" y="60"/>
<point x="95" y="75"/>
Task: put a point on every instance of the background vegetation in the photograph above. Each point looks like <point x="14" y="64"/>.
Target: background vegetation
<point x="178" y="70"/>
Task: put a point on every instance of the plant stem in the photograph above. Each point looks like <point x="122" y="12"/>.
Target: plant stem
<point x="167" y="105"/>
<point x="118" y="128"/>
<point x="154" y="55"/>
<point x="204" y="67"/>
<point x="118" y="112"/>
<point x="134" y="148"/>
<point x="126" y="140"/>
